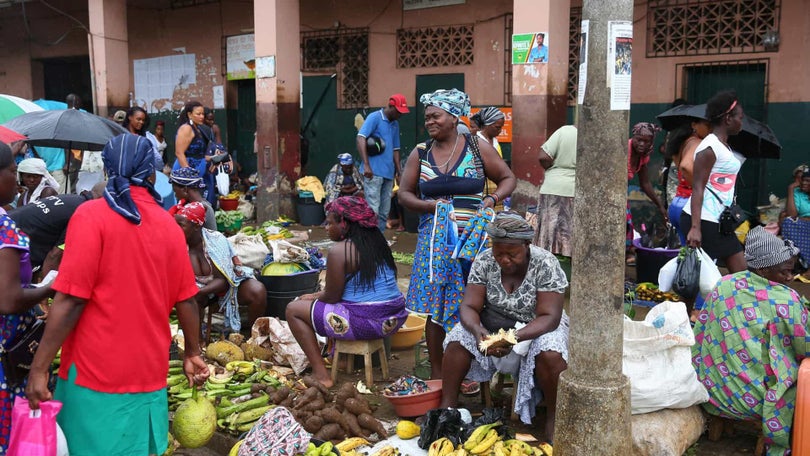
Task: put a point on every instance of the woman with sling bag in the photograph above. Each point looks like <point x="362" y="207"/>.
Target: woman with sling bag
<point x="715" y="170"/>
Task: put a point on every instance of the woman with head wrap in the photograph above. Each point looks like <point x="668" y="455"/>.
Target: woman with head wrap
<point x="796" y="226"/>
<point x="639" y="149"/>
<point x="188" y="187"/>
<point x="35" y="181"/>
<point x="449" y="169"/>
<point x="343" y="179"/>
<point x="361" y="300"/>
<point x="191" y="146"/>
<point x="714" y="174"/>
<point x="762" y="324"/>
<point x="512" y="285"/>
<point x="124" y="269"/>
<point x="17" y="299"/>
<point x="218" y="270"/>
<point x="490" y="122"/>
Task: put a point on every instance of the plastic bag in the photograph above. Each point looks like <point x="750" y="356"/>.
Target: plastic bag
<point x="687" y="276"/>
<point x="284" y="252"/>
<point x="709" y="274"/>
<point x="247" y="208"/>
<point x="673" y="239"/>
<point x="666" y="275"/>
<point x="275" y="334"/>
<point x="657" y="358"/>
<point x="223" y="181"/>
<point x="34" y="431"/>
<point x="444" y="422"/>
<point x="250" y="249"/>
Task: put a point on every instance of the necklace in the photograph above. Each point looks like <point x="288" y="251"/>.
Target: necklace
<point x="452" y="152"/>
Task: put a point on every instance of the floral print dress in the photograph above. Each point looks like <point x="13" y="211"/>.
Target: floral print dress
<point x="12" y="325"/>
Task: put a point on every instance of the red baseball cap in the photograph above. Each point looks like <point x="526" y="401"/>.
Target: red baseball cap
<point x="397" y="100"/>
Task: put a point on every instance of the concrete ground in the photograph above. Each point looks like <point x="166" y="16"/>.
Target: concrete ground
<point x="402" y="362"/>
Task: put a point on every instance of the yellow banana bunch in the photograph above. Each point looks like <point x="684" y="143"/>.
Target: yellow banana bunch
<point x="478" y="435"/>
<point x="387" y="450"/>
<point x="499" y="449"/>
<point x="486" y="444"/>
<point x="546" y="449"/>
<point x="241" y="367"/>
<point x="350" y="444"/>
<point x="441" y="447"/>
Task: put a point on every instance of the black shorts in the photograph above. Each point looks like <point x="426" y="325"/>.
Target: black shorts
<point x="718" y="246"/>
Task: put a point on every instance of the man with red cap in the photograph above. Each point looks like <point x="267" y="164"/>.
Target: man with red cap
<point x="378" y="145"/>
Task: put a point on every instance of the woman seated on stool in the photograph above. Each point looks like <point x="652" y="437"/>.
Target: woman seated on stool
<point x="751" y="337"/>
<point x="218" y="270"/>
<point x="512" y="283"/>
<point x="361" y="300"/>
<point x="796" y="226"/>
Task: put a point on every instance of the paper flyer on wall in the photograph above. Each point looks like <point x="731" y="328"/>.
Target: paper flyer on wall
<point x="619" y="63"/>
<point x="583" y="61"/>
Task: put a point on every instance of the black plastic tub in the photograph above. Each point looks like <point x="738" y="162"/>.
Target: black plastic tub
<point x="283" y="289"/>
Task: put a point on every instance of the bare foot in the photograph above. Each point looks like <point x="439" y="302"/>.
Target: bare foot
<point x="327" y="382"/>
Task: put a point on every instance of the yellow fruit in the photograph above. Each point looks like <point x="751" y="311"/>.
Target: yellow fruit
<point x="235" y="450"/>
<point x="350" y="444"/>
<point x="407" y="430"/>
<point x="546" y="449"/>
<point x="486" y="443"/>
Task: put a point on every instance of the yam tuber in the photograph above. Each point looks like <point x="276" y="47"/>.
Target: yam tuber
<point x="311" y="382"/>
<point x="331" y="415"/>
<point x="330" y="431"/>
<point x="288" y="403"/>
<point x="312" y="405"/>
<point x="357" y="406"/>
<point x="309" y="395"/>
<point x="280" y="395"/>
<point x="313" y="424"/>
<point x="341" y="396"/>
<point x="369" y="422"/>
<point x="354" y="427"/>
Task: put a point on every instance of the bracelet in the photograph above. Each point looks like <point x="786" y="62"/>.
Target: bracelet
<point x="495" y="195"/>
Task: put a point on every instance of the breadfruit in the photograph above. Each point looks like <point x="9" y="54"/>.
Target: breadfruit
<point x="224" y="352"/>
<point x="253" y="351"/>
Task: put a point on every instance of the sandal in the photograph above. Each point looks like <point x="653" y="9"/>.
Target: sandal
<point x="470" y="388"/>
<point x="630" y="261"/>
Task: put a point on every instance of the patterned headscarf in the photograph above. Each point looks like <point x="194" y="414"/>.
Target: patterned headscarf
<point x="764" y="250"/>
<point x="454" y="101"/>
<point x="194" y="212"/>
<point x="355" y="210"/>
<point x="645" y="129"/>
<point x="128" y="160"/>
<point x="187" y="177"/>
<point x="488" y="116"/>
<point x="510" y="225"/>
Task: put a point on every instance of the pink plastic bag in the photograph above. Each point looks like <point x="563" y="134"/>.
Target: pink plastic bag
<point x="33" y="432"/>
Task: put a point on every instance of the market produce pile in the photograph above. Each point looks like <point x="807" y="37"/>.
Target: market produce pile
<point x="648" y="291"/>
<point x="487" y="439"/>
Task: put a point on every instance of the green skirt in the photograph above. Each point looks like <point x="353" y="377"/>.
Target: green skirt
<point x="125" y="424"/>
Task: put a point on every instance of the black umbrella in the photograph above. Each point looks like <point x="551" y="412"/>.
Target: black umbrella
<point x="66" y="128"/>
<point x="755" y="140"/>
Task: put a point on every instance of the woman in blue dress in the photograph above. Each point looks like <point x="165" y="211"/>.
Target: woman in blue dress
<point x="191" y="146"/>
<point x="16" y="300"/>
<point x="443" y="180"/>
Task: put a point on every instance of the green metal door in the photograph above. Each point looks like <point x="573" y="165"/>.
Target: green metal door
<point x="748" y="80"/>
<point x="246" y="125"/>
<point x="427" y="83"/>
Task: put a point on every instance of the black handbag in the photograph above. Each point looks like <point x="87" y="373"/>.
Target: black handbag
<point x="18" y="357"/>
<point x="494" y="320"/>
<point x="731" y="217"/>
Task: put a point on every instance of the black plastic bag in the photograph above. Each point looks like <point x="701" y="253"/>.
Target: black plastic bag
<point x="443" y="422"/>
<point x="673" y="239"/>
<point x="687" y="276"/>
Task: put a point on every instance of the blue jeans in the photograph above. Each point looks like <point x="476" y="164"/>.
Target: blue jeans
<point x="378" y="195"/>
<point x="674" y="213"/>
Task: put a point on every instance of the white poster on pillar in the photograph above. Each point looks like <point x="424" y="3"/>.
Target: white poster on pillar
<point x="619" y="63"/>
<point x="583" y="61"/>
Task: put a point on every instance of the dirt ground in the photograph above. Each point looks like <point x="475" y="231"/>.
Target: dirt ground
<point x="403" y="362"/>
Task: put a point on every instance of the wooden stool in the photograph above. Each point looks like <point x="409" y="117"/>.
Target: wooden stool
<point x="360" y="347"/>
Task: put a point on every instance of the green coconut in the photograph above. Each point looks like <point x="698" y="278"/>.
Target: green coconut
<point x="195" y="421"/>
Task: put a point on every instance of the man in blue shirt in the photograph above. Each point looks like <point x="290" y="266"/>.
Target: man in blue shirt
<point x="539" y="53"/>
<point x="380" y="168"/>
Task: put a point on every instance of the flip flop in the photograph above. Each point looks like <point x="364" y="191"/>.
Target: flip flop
<point x="470" y="388"/>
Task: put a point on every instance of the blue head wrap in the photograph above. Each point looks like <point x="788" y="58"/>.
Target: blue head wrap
<point x="454" y="101"/>
<point x="128" y="160"/>
<point x="187" y="177"/>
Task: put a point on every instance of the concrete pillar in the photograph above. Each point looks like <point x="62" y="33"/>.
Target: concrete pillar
<point x="593" y="400"/>
<point x="109" y="55"/>
<point x="277" y="104"/>
<point x="539" y="92"/>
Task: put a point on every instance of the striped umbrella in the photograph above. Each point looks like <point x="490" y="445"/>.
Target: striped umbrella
<point x="11" y="107"/>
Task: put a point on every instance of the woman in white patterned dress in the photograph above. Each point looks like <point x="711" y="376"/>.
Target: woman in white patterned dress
<point x="512" y="285"/>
